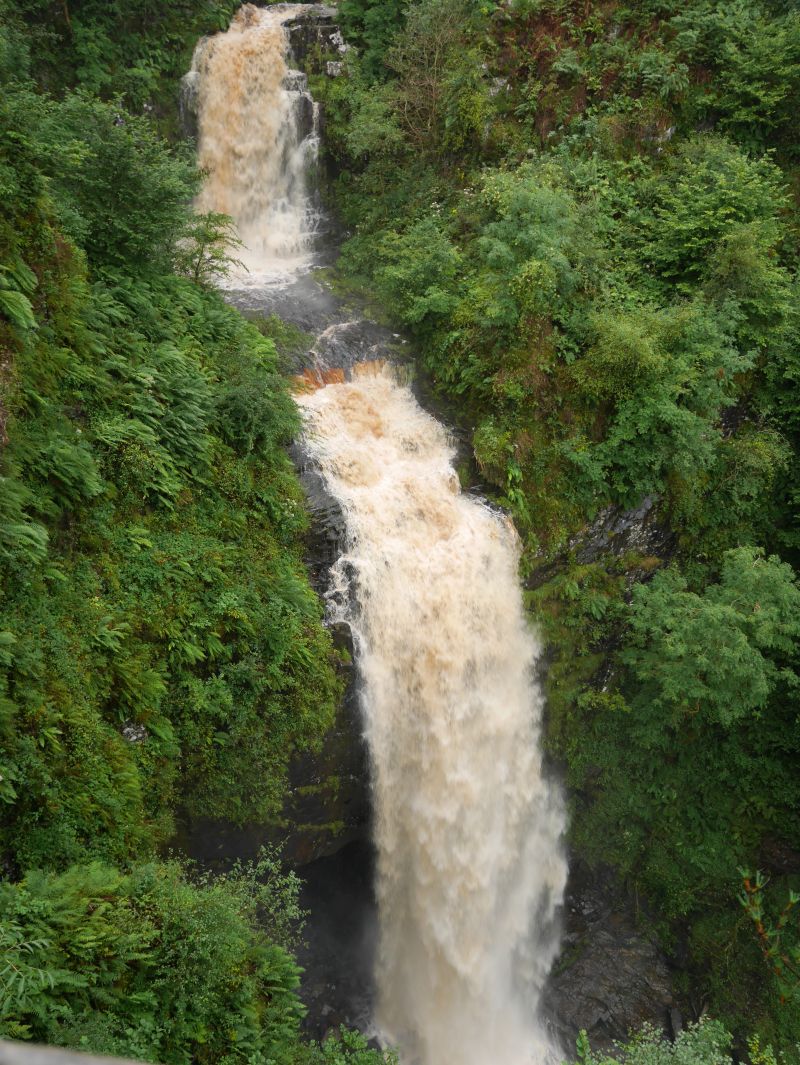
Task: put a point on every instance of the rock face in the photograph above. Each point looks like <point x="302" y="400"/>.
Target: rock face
<point x="327" y="803"/>
<point x="618" y="531"/>
<point x="314" y="33"/>
<point x="188" y="104"/>
<point x="615" y="533"/>
<point x="611" y="977"/>
<point x="326" y="537"/>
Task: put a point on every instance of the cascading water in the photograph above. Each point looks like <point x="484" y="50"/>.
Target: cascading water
<point x="258" y="140"/>
<point x="467" y="827"/>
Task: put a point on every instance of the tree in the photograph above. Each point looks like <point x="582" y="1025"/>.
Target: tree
<point x="371" y="25"/>
<point x="439" y="93"/>
<point x="203" y="252"/>
<point x="720" y="655"/>
<point x="122" y="193"/>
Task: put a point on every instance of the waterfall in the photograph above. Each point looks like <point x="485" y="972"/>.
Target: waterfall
<point x="467" y="827"/>
<point x="257" y="140"/>
<point x="470" y="869"/>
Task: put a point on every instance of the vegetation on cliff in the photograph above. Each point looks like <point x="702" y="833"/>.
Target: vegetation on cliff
<point x="586" y="214"/>
<point x="160" y="647"/>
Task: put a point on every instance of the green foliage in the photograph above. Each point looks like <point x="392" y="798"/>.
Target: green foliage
<point x="350" y="1048"/>
<point x="290" y="341"/>
<point x="17" y="282"/>
<point x="441" y="97"/>
<point x="192" y="624"/>
<point x="709" y="189"/>
<point x="689" y="749"/>
<point x="122" y="194"/>
<point x="420" y="266"/>
<point x="755" y="57"/>
<point x="586" y="216"/>
<point x="777" y="937"/>
<point x="205" y="251"/>
<point x="721" y="655"/>
<point x="150" y="964"/>
<point x="371" y="25"/>
<point x="130" y="48"/>
<point x="707" y="1043"/>
<point x="161" y="643"/>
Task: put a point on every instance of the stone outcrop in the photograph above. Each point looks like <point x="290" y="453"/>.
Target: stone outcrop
<point x="611" y="976"/>
<point x="328" y="801"/>
<point x="327" y="804"/>
<point x="314" y="36"/>
<point x="618" y="532"/>
<point x="639" y="533"/>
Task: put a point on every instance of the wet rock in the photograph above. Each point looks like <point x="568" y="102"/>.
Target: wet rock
<point x="611" y="976"/>
<point x="188" y="104"/>
<point x="295" y="81"/>
<point x="338" y="952"/>
<point x="327" y="803"/>
<point x="314" y="32"/>
<point x="326" y="538"/>
<point x="619" y="532"/>
<point x="303" y="109"/>
<point x="133" y="732"/>
<point x="303" y="301"/>
<point x="326" y="807"/>
<point x="345" y="344"/>
<point x="639" y="531"/>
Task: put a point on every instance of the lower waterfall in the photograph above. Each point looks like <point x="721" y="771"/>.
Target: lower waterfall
<point x="467" y="828"/>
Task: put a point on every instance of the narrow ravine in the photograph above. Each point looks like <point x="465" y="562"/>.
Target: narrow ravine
<point x="467" y="826"/>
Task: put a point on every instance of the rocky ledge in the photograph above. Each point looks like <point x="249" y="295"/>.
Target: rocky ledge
<point x="611" y="976"/>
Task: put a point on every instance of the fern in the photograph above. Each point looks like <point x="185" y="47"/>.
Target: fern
<point x="17" y="308"/>
<point x="17" y="281"/>
<point x="22" y="541"/>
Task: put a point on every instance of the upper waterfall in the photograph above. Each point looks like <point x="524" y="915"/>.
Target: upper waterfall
<point x="258" y="140"/>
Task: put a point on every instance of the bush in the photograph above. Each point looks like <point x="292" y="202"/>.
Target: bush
<point x="123" y="194"/>
<point x="149" y="964"/>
